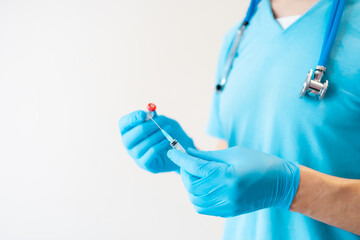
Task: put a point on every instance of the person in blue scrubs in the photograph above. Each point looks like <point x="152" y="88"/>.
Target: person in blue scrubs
<point x="290" y="167"/>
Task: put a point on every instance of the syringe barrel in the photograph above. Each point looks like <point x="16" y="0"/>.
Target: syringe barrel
<point x="176" y="145"/>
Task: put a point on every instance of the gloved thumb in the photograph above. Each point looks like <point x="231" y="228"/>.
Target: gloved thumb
<point x="195" y="166"/>
<point x="214" y="156"/>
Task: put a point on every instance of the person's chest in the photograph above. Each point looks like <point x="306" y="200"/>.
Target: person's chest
<point x="260" y="105"/>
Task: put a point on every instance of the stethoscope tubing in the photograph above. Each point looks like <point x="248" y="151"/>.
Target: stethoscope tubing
<point x="331" y="31"/>
<point x="235" y="45"/>
<point x="329" y="39"/>
<point x="250" y="11"/>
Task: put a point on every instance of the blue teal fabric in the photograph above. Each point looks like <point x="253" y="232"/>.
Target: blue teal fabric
<point x="260" y="109"/>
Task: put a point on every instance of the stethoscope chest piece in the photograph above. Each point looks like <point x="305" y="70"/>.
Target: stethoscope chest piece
<point x="314" y="86"/>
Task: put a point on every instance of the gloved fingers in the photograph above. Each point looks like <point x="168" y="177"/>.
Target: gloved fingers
<point x="165" y="119"/>
<point x="209" y="199"/>
<point x="215" y="156"/>
<point x="187" y="180"/>
<point x="131" y="120"/>
<point x="138" y="133"/>
<point x="199" y="186"/>
<point x="218" y="210"/>
<point x="201" y="210"/>
<point x="143" y="130"/>
<point x="142" y="147"/>
<point x="173" y="127"/>
<point x="152" y="159"/>
<point x="155" y="114"/>
<point x="206" y="211"/>
<point x="195" y="166"/>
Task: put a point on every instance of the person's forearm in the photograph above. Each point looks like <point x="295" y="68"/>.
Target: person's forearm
<point x="332" y="200"/>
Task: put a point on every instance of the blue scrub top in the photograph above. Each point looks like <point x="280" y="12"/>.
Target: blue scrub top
<point x="260" y="109"/>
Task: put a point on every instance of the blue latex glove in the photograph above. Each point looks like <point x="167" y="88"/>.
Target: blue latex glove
<point x="236" y="180"/>
<point x="147" y="145"/>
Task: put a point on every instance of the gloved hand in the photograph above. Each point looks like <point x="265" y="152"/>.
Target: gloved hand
<point x="236" y="180"/>
<point x="147" y="145"/>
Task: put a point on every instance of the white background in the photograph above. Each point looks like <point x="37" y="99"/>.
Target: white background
<point x="68" y="71"/>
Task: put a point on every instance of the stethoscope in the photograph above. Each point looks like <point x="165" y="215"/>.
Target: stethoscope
<point x="313" y="83"/>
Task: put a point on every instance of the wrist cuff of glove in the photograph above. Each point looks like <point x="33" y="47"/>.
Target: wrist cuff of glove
<point x="291" y="184"/>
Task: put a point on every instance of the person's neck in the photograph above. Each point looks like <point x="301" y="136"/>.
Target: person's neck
<point x="285" y="8"/>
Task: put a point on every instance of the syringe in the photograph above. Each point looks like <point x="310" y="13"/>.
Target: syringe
<point x="173" y="142"/>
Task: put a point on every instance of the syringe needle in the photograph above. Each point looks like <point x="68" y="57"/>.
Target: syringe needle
<point x="168" y="137"/>
<point x="154" y="122"/>
<point x="173" y="142"/>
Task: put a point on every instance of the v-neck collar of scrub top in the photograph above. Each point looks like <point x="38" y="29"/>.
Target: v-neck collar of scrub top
<point x="267" y="30"/>
<point x="269" y="16"/>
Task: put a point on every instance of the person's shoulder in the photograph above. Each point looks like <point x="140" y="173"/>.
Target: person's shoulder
<point x="234" y="28"/>
<point x="230" y="35"/>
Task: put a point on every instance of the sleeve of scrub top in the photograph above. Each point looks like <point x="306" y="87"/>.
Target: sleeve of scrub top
<point x="214" y="126"/>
